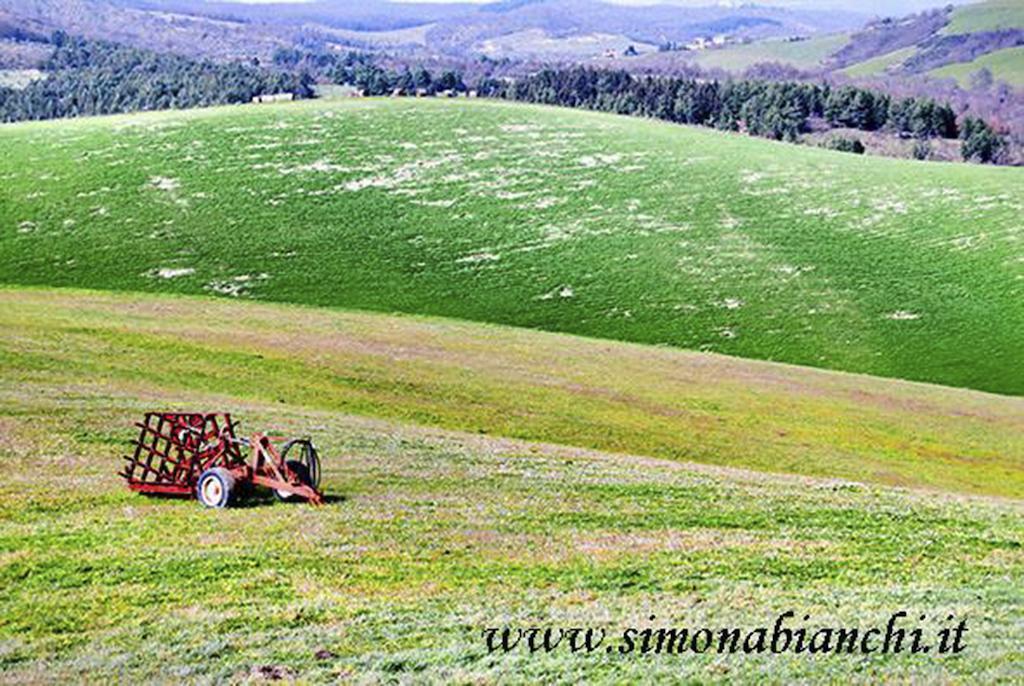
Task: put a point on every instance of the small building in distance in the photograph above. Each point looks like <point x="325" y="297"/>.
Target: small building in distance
<point x="273" y="97"/>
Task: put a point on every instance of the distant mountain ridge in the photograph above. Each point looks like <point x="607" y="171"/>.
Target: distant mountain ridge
<point x="233" y="30"/>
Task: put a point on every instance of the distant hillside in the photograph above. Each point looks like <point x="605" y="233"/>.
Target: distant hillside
<point x="566" y="19"/>
<point x="557" y="28"/>
<point x="943" y="43"/>
<point x="1003" y="65"/>
<point x="948" y="43"/>
<point x="219" y="38"/>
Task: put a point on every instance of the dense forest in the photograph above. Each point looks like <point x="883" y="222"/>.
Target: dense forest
<point x="97" y="77"/>
<point x="778" y="110"/>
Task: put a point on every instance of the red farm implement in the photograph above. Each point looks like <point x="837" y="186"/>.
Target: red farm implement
<point x="189" y="454"/>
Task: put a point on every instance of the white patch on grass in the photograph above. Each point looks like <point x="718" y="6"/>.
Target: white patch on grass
<point x="479" y="257"/>
<point x="598" y="160"/>
<point x="731" y="222"/>
<point x="827" y="212"/>
<point x="890" y="205"/>
<point x="726" y="332"/>
<point x="236" y="286"/>
<point x="731" y="303"/>
<point x="164" y="183"/>
<point x="512" y="195"/>
<point x="902" y="316"/>
<point x="519" y="128"/>
<point x="560" y="292"/>
<point x="543" y="203"/>
<point x="93" y="193"/>
<point x="321" y="166"/>
<point x="171" y="272"/>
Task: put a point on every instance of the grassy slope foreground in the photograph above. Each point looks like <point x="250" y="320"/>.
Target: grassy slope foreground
<point x="557" y="219"/>
<point x="523" y="384"/>
<point x="432" y="534"/>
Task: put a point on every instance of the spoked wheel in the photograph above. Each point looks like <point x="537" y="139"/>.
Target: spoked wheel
<point x="305" y="462"/>
<point x="215" y="487"/>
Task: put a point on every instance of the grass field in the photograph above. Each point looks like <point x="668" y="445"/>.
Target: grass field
<point x="556" y="219"/>
<point x="807" y="54"/>
<point x="432" y="534"/>
<point x="880" y="64"/>
<point x="991" y="15"/>
<point x="522" y="384"/>
<point x="1005" y="65"/>
<point x="539" y="44"/>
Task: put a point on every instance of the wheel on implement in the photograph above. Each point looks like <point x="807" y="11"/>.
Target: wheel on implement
<point x="303" y="451"/>
<point x="215" y="488"/>
<point x="304" y="462"/>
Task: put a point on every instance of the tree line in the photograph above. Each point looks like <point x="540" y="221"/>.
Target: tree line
<point x="777" y="110"/>
<point x="362" y="71"/>
<point x="98" y="77"/>
<point x="88" y="77"/>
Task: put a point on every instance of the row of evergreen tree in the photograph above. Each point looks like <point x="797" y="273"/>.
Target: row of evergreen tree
<point x="361" y="71"/>
<point x="98" y="77"/>
<point x="778" y="110"/>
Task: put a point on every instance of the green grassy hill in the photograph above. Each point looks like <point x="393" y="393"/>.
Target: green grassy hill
<point x="881" y="64"/>
<point x="556" y="219"/>
<point x="432" y="534"/>
<point x="994" y="15"/>
<point x="1005" y="65"/>
<point x="991" y="15"/>
<point x="806" y="54"/>
<point x="971" y="18"/>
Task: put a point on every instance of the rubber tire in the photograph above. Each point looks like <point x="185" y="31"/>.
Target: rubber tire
<point x="302" y="472"/>
<point x="226" y="490"/>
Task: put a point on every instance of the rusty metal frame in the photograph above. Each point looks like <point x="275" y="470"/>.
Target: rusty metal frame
<point x="174" y="448"/>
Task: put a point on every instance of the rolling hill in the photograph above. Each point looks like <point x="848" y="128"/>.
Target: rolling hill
<point x="807" y="54"/>
<point x="500" y="381"/>
<point x="545" y="218"/>
<point x="1003" y="65"/>
<point x="287" y="263"/>
<point x="951" y="43"/>
<point x="558" y="28"/>
<point x="432" y="534"/>
<point x="989" y="15"/>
